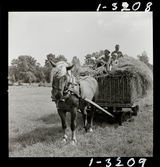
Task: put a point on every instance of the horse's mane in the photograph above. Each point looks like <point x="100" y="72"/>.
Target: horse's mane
<point x="59" y="70"/>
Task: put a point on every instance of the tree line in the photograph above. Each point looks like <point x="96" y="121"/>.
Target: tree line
<point x="27" y="70"/>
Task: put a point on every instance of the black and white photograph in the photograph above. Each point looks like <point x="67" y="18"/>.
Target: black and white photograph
<point x="80" y="84"/>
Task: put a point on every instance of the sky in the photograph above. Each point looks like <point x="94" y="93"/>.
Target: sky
<point x="79" y="33"/>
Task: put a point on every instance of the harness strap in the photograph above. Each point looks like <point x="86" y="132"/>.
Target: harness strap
<point x="71" y="90"/>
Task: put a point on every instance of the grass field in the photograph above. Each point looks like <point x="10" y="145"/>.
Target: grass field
<point x="35" y="129"/>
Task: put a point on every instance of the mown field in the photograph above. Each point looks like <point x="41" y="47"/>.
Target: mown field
<point x="35" y="129"/>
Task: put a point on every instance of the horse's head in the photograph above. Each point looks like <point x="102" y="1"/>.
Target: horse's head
<point x="60" y="78"/>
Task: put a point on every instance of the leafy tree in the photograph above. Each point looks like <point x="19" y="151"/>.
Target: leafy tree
<point x="50" y="57"/>
<point x="77" y="65"/>
<point x="24" y="63"/>
<point x="39" y="74"/>
<point x="27" y="77"/>
<point x="20" y="64"/>
<point x="75" y="60"/>
<point x="101" y="52"/>
<point x="11" y="79"/>
<point x="61" y="58"/>
<point x="24" y="68"/>
<point x="46" y="72"/>
<point x="48" y="67"/>
<point x="13" y="71"/>
<point x="144" y="58"/>
<point x="89" y="57"/>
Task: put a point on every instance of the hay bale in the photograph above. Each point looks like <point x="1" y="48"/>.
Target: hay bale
<point x="134" y="67"/>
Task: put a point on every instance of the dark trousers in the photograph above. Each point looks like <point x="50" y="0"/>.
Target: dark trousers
<point x="107" y="65"/>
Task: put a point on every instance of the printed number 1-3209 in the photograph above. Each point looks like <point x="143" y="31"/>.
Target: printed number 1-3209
<point x="131" y="162"/>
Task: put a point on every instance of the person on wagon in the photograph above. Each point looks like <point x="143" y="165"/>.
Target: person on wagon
<point x="117" y="51"/>
<point x="114" y="61"/>
<point x="104" y="60"/>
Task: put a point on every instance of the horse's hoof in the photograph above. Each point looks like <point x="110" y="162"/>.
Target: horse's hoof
<point x="90" y="130"/>
<point x="73" y="142"/>
<point x="86" y="129"/>
<point x="64" y="141"/>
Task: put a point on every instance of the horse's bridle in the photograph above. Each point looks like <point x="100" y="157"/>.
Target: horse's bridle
<point x="65" y="88"/>
<point x="55" y="87"/>
<point x="68" y="90"/>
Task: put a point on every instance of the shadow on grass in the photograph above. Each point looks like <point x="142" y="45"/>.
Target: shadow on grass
<point x="104" y="119"/>
<point x="44" y="134"/>
<point x="55" y="118"/>
<point x="98" y="119"/>
<point x="52" y="134"/>
<point x="50" y="119"/>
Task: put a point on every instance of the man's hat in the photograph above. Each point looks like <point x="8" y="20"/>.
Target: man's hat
<point x="107" y="51"/>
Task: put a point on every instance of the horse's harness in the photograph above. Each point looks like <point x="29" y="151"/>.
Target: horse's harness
<point x="72" y="88"/>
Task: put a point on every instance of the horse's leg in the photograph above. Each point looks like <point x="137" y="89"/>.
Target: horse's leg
<point x="62" y="115"/>
<point x="84" y="114"/>
<point x="90" y="121"/>
<point x="73" y="123"/>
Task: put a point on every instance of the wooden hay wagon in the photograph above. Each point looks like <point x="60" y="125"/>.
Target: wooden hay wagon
<point x="119" y="95"/>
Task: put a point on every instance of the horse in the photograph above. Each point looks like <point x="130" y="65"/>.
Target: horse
<point x="69" y="94"/>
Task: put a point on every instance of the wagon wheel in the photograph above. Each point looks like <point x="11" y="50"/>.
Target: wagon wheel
<point x="135" y="110"/>
<point x="129" y="115"/>
<point x="121" y="117"/>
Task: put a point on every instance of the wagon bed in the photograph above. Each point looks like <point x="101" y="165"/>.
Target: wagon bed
<point x="117" y="92"/>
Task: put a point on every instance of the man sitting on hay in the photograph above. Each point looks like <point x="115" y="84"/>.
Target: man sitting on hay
<point x="107" y="61"/>
<point x="104" y="60"/>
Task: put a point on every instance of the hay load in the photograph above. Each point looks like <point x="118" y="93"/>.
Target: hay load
<point x="143" y="75"/>
<point x="127" y="83"/>
<point x="141" y="82"/>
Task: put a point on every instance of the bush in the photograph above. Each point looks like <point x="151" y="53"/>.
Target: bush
<point x="27" y="77"/>
<point x="41" y="84"/>
<point x="19" y="82"/>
